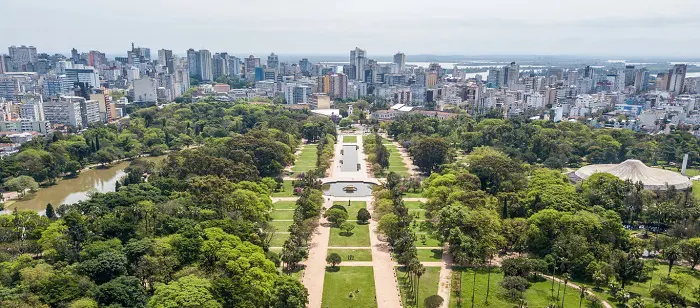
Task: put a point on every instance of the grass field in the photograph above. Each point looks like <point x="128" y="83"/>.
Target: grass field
<point x="354" y="207"/>
<point x="696" y="189"/>
<point x="641" y="288"/>
<point x="359" y="237"/>
<point x="284" y="205"/>
<point x="278" y="239"/>
<point x="357" y="254"/>
<point x="429" y="255"/>
<point x="339" y="285"/>
<point x="396" y="162"/>
<point x="428" y="285"/>
<point x="282" y="215"/>
<point x="286" y="191"/>
<point x="411" y="194"/>
<point x="349" y="139"/>
<point x="418" y="214"/>
<point x="428" y="242"/>
<point x="282" y="226"/>
<point x="538" y="295"/>
<point x="412" y="205"/>
<point x="306" y="160"/>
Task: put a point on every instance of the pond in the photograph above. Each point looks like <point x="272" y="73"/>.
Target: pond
<point x="342" y="189"/>
<point x="72" y="190"/>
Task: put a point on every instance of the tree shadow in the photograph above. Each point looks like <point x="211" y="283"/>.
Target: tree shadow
<point x="332" y="269"/>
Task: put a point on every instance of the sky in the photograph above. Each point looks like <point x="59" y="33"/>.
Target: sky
<point x="615" y="28"/>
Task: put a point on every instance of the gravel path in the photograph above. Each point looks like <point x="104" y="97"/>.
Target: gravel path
<point x="316" y="263"/>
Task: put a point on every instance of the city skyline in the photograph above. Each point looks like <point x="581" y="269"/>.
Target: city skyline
<point x="546" y="27"/>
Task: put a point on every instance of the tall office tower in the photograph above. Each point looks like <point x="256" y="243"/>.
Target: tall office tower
<point x="400" y="60"/>
<point x="251" y="63"/>
<point x="572" y="77"/>
<point x="630" y="74"/>
<point x="558" y="72"/>
<point x="358" y="59"/>
<point x="23" y="58"/>
<point x="74" y="56"/>
<point x="193" y="62"/>
<point x="619" y="81"/>
<point x="641" y="79"/>
<point x="4" y="63"/>
<point x="305" y="66"/>
<point x="165" y="58"/>
<point x="511" y="73"/>
<point x="662" y="80"/>
<point x="494" y="78"/>
<point x="219" y="64"/>
<point x="677" y="78"/>
<point x="205" y="68"/>
<point x="234" y="66"/>
<point x="273" y="61"/>
<point x="339" y="86"/>
<point x="588" y="72"/>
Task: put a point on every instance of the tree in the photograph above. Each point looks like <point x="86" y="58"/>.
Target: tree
<point x="336" y="216"/>
<point x="429" y="153"/>
<point x="345" y="122"/>
<point x="334" y="259"/>
<point x="290" y="293"/>
<point x="514" y="285"/>
<point x="104" y="267"/>
<point x="50" y="213"/>
<point x="186" y="292"/>
<point x="125" y="291"/>
<point x="671" y="254"/>
<point x="665" y="296"/>
<point x="433" y="301"/>
<point x="690" y="251"/>
<point x="583" y="290"/>
<point x="21" y="184"/>
<point x="363" y="216"/>
<point x="347" y="228"/>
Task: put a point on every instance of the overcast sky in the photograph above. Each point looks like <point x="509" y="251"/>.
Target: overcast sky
<point x="460" y="27"/>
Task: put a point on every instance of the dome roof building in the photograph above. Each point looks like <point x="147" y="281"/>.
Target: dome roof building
<point x="636" y="171"/>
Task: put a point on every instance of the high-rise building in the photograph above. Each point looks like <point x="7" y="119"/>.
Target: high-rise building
<point x="339" y="86"/>
<point x="494" y="78"/>
<point x="358" y="59"/>
<point x="296" y="94"/>
<point x="400" y="60"/>
<point x="23" y="58"/>
<point x="630" y="74"/>
<point x="165" y="58"/>
<point x="65" y="111"/>
<point x="32" y="108"/>
<point x="641" y="79"/>
<point x="572" y="77"/>
<point x="251" y="63"/>
<point x="305" y="66"/>
<point x="74" y="56"/>
<point x="219" y="65"/>
<point x="56" y="85"/>
<point x="273" y="61"/>
<point x="677" y="79"/>
<point x="90" y="112"/>
<point x="510" y="75"/>
<point x="205" y="68"/>
<point x="145" y="90"/>
<point x="193" y="62"/>
<point x="234" y="67"/>
<point x="86" y="75"/>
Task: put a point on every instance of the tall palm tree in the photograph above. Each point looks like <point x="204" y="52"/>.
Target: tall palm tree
<point x="563" y="297"/>
<point x="584" y="290"/>
<point x="488" y="280"/>
<point x="474" y="285"/>
<point x="420" y="270"/>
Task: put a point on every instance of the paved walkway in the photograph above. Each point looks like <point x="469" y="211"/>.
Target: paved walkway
<point x="444" y="286"/>
<point x="576" y="287"/>
<point x="315" y="271"/>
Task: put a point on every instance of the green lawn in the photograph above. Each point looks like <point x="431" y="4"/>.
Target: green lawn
<point x="278" y="239"/>
<point x="413" y="205"/>
<point x="696" y="189"/>
<point x="429" y="255"/>
<point x="306" y="160"/>
<point x="428" y="242"/>
<point x="641" y="288"/>
<point x="355" y="281"/>
<point x="282" y="226"/>
<point x="538" y="295"/>
<point x="357" y="254"/>
<point x="282" y="215"/>
<point x="354" y="207"/>
<point x="359" y="237"/>
<point x="428" y="286"/>
<point x="411" y="194"/>
<point x="419" y="214"/>
<point x="349" y="139"/>
<point x="286" y="191"/>
<point x="285" y="205"/>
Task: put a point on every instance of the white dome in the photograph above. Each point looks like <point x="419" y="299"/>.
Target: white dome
<point x="636" y="171"/>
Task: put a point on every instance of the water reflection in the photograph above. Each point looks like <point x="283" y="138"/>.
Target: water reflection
<point x="341" y="189"/>
<point x="69" y="191"/>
